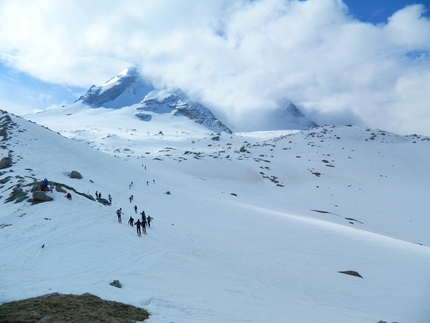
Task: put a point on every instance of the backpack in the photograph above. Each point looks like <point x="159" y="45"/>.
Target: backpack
<point x="118" y="212"/>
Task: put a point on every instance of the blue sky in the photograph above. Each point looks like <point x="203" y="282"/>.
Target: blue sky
<point x="378" y="11"/>
<point x="364" y="62"/>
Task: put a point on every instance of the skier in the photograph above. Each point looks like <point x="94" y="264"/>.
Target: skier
<point x="149" y="219"/>
<point x="119" y="212"/>
<point x="138" y="223"/>
<point x="131" y="221"/>
<point x="135" y="209"/>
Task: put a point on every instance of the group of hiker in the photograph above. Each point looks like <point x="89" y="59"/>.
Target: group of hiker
<point x="140" y="223"/>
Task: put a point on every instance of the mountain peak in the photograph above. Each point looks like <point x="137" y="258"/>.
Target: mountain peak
<point x="125" y="89"/>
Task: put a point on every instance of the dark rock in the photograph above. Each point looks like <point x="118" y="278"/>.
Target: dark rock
<point x="103" y="201"/>
<point x="17" y="195"/>
<point x="5" y="162"/>
<point x="40" y="197"/>
<point x="116" y="283"/>
<point x="351" y="272"/>
<point x="75" y="174"/>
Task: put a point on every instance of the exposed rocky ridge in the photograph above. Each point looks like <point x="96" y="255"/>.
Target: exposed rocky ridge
<point x="176" y="102"/>
<point x="129" y="88"/>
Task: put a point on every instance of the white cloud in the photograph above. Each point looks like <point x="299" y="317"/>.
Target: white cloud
<point x="238" y="57"/>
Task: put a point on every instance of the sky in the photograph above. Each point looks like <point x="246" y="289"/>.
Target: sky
<point x="341" y="62"/>
<point x="249" y="236"/>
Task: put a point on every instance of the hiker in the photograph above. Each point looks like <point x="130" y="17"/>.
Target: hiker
<point x="135" y="209"/>
<point x="149" y="219"/>
<point x="143" y="224"/>
<point x="147" y="183"/>
<point x="51" y="188"/>
<point x="119" y="212"/>
<point x="138" y="223"/>
<point x="97" y="194"/>
<point x="153" y="181"/>
<point x="131" y="198"/>
<point x="131" y="221"/>
<point x="68" y="196"/>
<point x="110" y="199"/>
<point x="143" y="216"/>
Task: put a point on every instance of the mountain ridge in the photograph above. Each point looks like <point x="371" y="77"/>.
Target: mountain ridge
<point x="131" y="88"/>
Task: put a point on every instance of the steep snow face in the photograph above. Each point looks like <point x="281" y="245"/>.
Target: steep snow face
<point x="125" y="89"/>
<point x="178" y="104"/>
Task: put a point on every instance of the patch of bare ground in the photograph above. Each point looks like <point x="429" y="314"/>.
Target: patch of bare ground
<point x="61" y="308"/>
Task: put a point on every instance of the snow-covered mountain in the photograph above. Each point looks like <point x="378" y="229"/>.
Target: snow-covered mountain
<point x="129" y="88"/>
<point x="248" y="227"/>
<point x="125" y="89"/>
<point x="285" y="116"/>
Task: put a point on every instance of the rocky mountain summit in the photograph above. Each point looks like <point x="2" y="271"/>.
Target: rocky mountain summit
<point x="130" y="88"/>
<point x="177" y="103"/>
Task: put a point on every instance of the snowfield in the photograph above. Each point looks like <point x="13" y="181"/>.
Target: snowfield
<point x="248" y="227"/>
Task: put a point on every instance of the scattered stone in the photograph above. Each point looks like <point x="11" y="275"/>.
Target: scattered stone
<point x="103" y="201"/>
<point x="116" y="284"/>
<point x="40" y="197"/>
<point x="351" y="273"/>
<point x="75" y="174"/>
<point x="234" y="194"/>
<point x="5" y="162"/>
<point x="17" y="195"/>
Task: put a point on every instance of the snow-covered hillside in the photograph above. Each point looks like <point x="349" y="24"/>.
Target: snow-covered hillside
<point x="248" y="227"/>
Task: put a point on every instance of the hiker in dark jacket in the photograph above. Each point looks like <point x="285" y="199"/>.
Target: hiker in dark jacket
<point x="119" y="213"/>
<point x="138" y="223"/>
<point x="131" y="221"/>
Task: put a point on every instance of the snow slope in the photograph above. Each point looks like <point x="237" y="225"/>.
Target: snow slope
<point x="256" y="226"/>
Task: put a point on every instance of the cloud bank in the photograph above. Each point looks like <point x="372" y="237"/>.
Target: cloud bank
<point x="238" y="57"/>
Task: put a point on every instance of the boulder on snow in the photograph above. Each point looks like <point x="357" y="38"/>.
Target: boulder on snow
<point x="75" y="174"/>
<point x="116" y="283"/>
<point x="351" y="272"/>
<point x="17" y="195"/>
<point x="39" y="197"/>
<point x="5" y="162"/>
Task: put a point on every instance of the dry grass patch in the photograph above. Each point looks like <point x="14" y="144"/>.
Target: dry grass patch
<point x="60" y="308"/>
